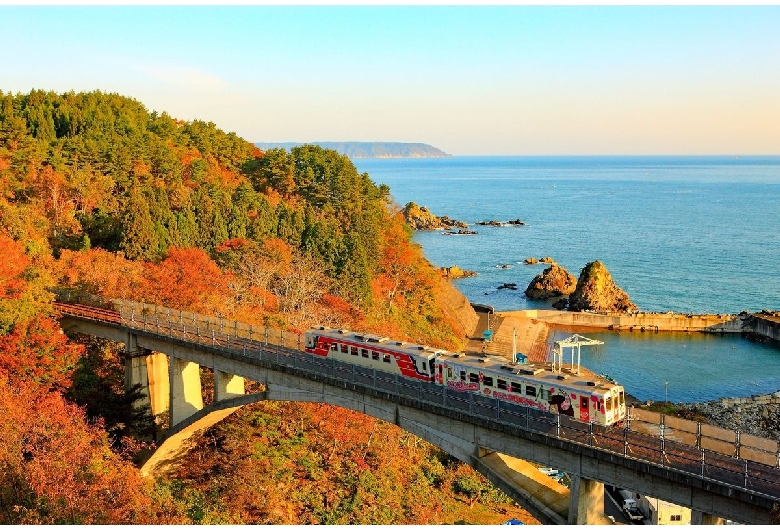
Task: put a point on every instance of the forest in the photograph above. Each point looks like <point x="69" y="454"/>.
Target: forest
<point x="102" y="197"/>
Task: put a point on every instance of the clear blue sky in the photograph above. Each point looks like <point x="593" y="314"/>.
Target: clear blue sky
<point x="469" y="80"/>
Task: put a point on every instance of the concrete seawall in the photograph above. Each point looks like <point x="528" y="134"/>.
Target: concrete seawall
<point x="642" y="321"/>
<point x="765" y="326"/>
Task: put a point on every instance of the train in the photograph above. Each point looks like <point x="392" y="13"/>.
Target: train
<point x="582" y="396"/>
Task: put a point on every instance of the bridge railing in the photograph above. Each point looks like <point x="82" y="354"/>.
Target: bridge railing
<point x="717" y="454"/>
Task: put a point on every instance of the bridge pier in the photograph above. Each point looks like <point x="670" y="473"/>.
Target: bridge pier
<point x="227" y="385"/>
<point x="586" y="503"/>
<point x="150" y="371"/>
<point x="186" y="396"/>
<point x="698" y="517"/>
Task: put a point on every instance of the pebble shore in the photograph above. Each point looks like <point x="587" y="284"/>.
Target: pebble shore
<point x="756" y="415"/>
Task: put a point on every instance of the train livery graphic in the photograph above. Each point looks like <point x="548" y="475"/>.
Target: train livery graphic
<point x="585" y="397"/>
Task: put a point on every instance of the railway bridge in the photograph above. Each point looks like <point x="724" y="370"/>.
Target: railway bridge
<point x="731" y="477"/>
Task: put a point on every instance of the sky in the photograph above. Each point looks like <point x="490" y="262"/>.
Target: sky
<point x="470" y="80"/>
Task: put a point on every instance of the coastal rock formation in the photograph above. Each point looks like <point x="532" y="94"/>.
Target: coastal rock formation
<point x="547" y="259"/>
<point x="460" y="232"/>
<point x="551" y="282"/>
<point x="493" y="222"/>
<point x="597" y="291"/>
<point x="530" y="261"/>
<point x="421" y="218"/>
<point x="456" y="272"/>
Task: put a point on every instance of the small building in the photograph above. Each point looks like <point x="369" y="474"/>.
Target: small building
<point x="663" y="512"/>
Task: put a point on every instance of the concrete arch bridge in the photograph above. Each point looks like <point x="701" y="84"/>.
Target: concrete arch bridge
<point x="716" y="478"/>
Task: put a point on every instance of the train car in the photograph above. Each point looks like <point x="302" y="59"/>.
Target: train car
<point x="372" y="351"/>
<point x="584" y="397"/>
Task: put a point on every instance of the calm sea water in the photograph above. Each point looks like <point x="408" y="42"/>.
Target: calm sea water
<point x="683" y="234"/>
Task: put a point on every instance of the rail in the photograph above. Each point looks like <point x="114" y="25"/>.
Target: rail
<point x="644" y="437"/>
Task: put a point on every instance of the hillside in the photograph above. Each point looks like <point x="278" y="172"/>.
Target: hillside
<point x="100" y="196"/>
<point x="369" y="149"/>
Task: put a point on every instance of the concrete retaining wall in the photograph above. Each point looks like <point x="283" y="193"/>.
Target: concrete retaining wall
<point x="645" y="321"/>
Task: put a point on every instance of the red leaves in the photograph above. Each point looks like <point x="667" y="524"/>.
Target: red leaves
<point x="37" y="352"/>
<point x="60" y="469"/>
<point x="12" y="265"/>
<point x="187" y="279"/>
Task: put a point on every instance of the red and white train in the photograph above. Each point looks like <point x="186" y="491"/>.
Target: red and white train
<point x="585" y="397"/>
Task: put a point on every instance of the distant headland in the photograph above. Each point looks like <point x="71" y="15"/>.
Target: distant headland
<point x="369" y="149"/>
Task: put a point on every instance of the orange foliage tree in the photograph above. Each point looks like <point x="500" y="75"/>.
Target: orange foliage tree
<point x="57" y="469"/>
<point x="187" y="279"/>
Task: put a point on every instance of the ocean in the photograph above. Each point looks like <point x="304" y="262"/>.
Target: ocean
<point x="684" y="234"/>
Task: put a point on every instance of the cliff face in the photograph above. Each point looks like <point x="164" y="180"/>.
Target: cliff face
<point x="597" y="291"/>
<point x="457" y="307"/>
<point x="553" y="281"/>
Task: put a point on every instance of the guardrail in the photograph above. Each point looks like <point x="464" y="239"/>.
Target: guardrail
<point x="746" y="462"/>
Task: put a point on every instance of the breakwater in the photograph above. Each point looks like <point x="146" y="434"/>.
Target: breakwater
<point x="764" y="325"/>
<point x="640" y="321"/>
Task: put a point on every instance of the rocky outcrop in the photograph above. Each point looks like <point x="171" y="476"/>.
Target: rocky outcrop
<point x="456" y="272"/>
<point x="551" y="282"/>
<point x="547" y="259"/>
<point x="493" y="222"/>
<point x="421" y="218"/>
<point x="597" y="291"/>
<point x="530" y="261"/>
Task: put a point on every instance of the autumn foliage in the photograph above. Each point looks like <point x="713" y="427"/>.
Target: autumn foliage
<point x="107" y="200"/>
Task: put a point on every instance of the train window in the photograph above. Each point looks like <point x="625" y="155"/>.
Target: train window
<point x="516" y="387"/>
<point x="463" y="375"/>
<point x="608" y="404"/>
<point x="544" y="394"/>
<point x="375" y="355"/>
<point x="501" y="384"/>
<point x="449" y="373"/>
<point x="622" y="399"/>
<point x="386" y="358"/>
<point x="353" y="350"/>
<point x="474" y="378"/>
<point x="487" y="381"/>
<point x="364" y="352"/>
<point x="530" y="390"/>
<point x="334" y="346"/>
<point x="584" y="403"/>
<point x="344" y="348"/>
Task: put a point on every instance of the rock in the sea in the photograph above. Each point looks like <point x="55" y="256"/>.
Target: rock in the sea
<point x="530" y="261"/>
<point x="551" y="282"/>
<point x="456" y="272"/>
<point x="597" y="291"/>
<point x="421" y="218"/>
<point x="547" y="259"/>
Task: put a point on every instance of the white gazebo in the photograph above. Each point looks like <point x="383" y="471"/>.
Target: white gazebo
<point x="573" y="342"/>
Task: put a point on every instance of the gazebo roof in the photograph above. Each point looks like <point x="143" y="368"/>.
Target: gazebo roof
<point x="577" y="340"/>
